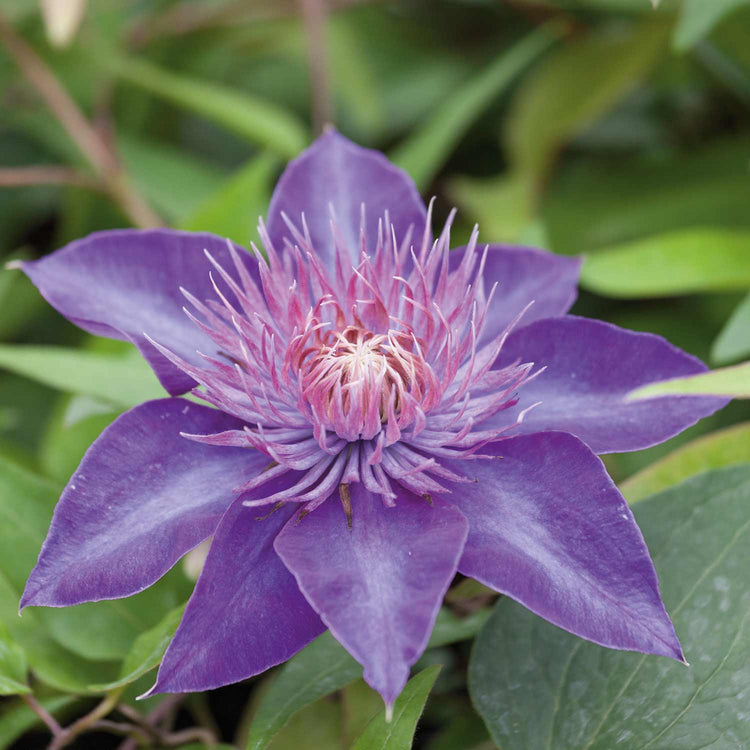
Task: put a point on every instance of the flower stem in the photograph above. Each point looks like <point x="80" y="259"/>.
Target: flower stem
<point x="314" y="19"/>
<point x="67" y="735"/>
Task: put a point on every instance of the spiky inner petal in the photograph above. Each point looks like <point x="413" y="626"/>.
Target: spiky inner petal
<point x="354" y="374"/>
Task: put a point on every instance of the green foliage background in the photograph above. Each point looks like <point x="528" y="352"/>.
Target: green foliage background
<point x="603" y="127"/>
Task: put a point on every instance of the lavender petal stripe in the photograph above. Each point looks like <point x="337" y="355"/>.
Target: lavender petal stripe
<point x="336" y="173"/>
<point x="591" y="367"/>
<point x="124" y="283"/>
<point x="549" y="528"/>
<point x="246" y="613"/>
<point x="142" y="497"/>
<point x="378" y="585"/>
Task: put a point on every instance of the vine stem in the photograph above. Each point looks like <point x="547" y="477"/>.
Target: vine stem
<point x="65" y="736"/>
<point x="43" y="714"/>
<point x="91" y="144"/>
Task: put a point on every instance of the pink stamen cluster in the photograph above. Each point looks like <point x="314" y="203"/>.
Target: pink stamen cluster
<point x="368" y="373"/>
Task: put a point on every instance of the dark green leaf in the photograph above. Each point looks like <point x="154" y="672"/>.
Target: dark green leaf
<point x="398" y="733"/>
<point x="12" y="665"/>
<point x="261" y="122"/>
<point x="537" y="686"/>
<point x="124" y="381"/>
<point x="733" y="342"/>
<point x="318" y="670"/>
<point x="575" y="86"/>
<point x="450" y="628"/>
<point x="682" y="262"/>
<point x="714" y="451"/>
<point x="146" y="652"/>
<point x="427" y="148"/>
<point x="234" y="208"/>
<point x="698" y="17"/>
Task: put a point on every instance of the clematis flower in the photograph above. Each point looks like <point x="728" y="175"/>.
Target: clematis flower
<point x="382" y="414"/>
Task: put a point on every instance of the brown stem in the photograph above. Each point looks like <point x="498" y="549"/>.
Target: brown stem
<point x="67" y="735"/>
<point x="43" y="714"/>
<point x="314" y="19"/>
<point x="46" y="174"/>
<point x="91" y="145"/>
<point x="148" y="723"/>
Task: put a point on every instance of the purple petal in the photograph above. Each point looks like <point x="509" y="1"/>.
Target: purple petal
<point x="549" y="528"/>
<point x="125" y="283"/>
<point x="246" y="613"/>
<point x="524" y="275"/>
<point x="141" y="498"/>
<point x="334" y="172"/>
<point x="378" y="585"/>
<point x="591" y="367"/>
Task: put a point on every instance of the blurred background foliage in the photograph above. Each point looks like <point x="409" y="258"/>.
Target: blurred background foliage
<point x="603" y="127"/>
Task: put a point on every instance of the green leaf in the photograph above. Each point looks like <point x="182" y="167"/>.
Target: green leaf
<point x="12" y="665"/>
<point x="398" y="733"/>
<point x="727" y="381"/>
<point x="234" y="208"/>
<point x="722" y="448"/>
<point x="574" y="87"/>
<point x="174" y="181"/>
<point x="318" y="670"/>
<point x="682" y="262"/>
<point x="733" y="342"/>
<point x="428" y="147"/>
<point x="121" y="380"/>
<point x="18" y="719"/>
<point x="698" y="18"/>
<point x="537" y="686"/>
<point x="146" y="652"/>
<point x="260" y="122"/>
<point x="449" y="628"/>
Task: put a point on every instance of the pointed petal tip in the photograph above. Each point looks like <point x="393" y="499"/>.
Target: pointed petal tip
<point x="14" y="265"/>
<point x="389" y="712"/>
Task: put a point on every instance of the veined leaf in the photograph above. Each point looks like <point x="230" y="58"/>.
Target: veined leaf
<point x="585" y="697"/>
<point x="714" y="451"/>
<point x="12" y="665"/>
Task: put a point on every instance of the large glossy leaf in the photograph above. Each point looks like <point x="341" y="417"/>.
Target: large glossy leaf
<point x="318" y="670"/>
<point x="12" y="665"/>
<point x="325" y="666"/>
<point x="681" y="262"/>
<point x="698" y="17"/>
<point x="714" y="451"/>
<point x="235" y="206"/>
<point x="397" y="732"/>
<point x="146" y="652"/>
<point x="576" y="86"/>
<point x="727" y="381"/>
<point x="261" y="122"/>
<point x="733" y="342"/>
<point x="581" y="696"/>
<point x="121" y="380"/>
<point x="427" y="148"/>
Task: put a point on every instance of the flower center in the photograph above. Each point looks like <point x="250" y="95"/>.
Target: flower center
<point x="356" y="380"/>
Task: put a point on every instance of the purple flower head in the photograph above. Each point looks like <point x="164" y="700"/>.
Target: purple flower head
<point x="403" y="412"/>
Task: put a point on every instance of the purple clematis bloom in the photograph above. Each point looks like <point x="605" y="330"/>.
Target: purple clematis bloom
<point x="386" y="414"/>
